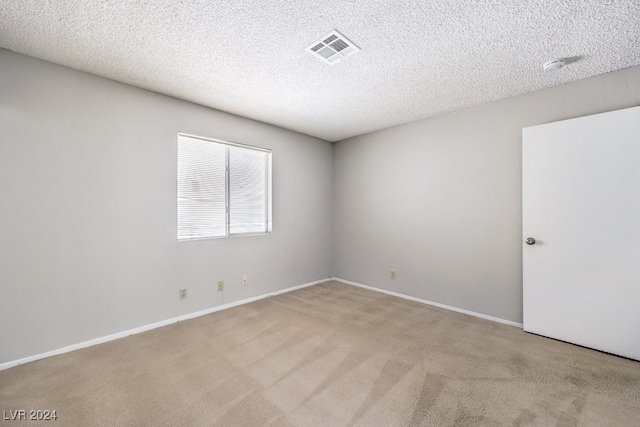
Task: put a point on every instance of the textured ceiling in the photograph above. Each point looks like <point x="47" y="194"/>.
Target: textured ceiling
<point x="418" y="58"/>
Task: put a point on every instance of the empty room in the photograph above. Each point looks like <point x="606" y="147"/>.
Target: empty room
<point x="300" y="213"/>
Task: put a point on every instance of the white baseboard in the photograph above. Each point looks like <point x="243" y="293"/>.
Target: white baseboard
<point x="188" y="316"/>
<point x="435" y="304"/>
<point x="155" y="325"/>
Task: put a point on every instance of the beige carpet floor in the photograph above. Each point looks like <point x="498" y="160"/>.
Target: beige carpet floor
<point x="331" y="355"/>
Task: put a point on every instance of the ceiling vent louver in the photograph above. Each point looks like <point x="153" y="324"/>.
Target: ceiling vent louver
<point x="333" y="48"/>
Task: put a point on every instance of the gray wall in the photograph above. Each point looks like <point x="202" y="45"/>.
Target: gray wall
<point x="88" y="210"/>
<point x="440" y="200"/>
<point x="87" y="205"/>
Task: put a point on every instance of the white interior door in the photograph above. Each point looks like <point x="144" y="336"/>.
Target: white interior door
<point x="581" y="204"/>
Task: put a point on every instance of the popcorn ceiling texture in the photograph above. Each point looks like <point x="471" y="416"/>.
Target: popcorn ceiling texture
<point x="247" y="57"/>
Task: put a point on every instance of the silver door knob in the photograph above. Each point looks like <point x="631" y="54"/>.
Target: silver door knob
<point x="530" y="241"/>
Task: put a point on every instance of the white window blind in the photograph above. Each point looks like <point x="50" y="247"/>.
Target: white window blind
<point x="248" y="212"/>
<point x="224" y="189"/>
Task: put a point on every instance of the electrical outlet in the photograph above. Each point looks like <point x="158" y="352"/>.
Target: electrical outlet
<point x="245" y="280"/>
<point x="392" y="274"/>
<point x="221" y="285"/>
<point x="182" y="293"/>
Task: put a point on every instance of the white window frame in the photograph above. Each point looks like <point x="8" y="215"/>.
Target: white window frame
<point x="268" y="195"/>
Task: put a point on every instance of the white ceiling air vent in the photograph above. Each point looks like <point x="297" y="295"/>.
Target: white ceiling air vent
<point x="332" y="48"/>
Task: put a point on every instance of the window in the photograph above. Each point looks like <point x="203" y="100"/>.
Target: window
<point x="224" y="189"/>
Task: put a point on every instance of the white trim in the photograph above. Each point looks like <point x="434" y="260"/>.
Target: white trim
<point x="220" y="141"/>
<point x="151" y="326"/>
<point x="427" y="302"/>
